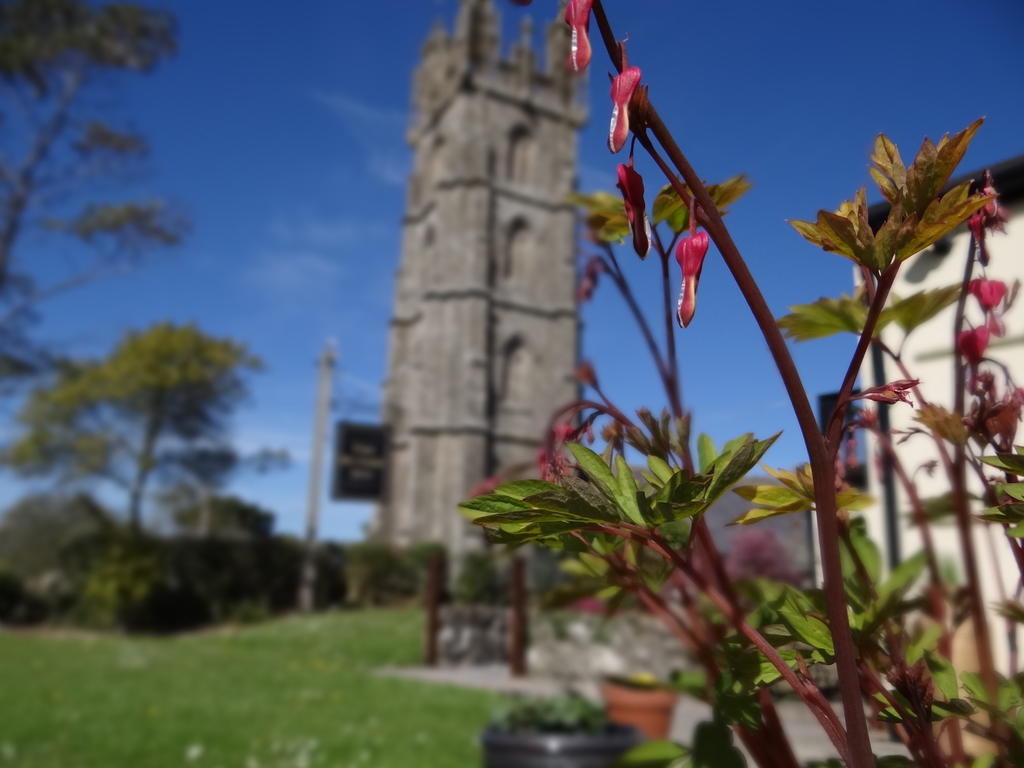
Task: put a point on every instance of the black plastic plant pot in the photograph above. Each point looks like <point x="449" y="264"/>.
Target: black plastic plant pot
<point x="503" y="749"/>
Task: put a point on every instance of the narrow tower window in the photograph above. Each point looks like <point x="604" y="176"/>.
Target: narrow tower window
<point x="520" y="151"/>
<point x="517" y="249"/>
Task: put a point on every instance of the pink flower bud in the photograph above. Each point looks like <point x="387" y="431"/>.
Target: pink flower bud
<point x="690" y="254"/>
<point x="585" y="374"/>
<point x="577" y="16"/>
<point x="588" y="283"/>
<point x="972" y="344"/>
<point x="623" y="86"/>
<point x="632" y="186"/>
<point x="891" y="393"/>
<point x="989" y="293"/>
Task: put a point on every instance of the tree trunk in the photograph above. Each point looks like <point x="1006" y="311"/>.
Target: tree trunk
<point x="144" y="466"/>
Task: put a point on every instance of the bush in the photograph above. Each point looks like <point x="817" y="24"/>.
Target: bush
<point x="378" y="574"/>
<point x="17" y="606"/>
<point x="145" y="583"/>
<point x="479" y="580"/>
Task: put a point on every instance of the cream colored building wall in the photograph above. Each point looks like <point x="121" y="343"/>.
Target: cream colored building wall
<point x="928" y="356"/>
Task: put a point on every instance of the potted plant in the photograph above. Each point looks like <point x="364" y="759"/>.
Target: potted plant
<point x="557" y="732"/>
<point x="642" y="701"/>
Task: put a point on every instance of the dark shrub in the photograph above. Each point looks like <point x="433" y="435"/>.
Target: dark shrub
<point x="479" y="580"/>
<point x="378" y="574"/>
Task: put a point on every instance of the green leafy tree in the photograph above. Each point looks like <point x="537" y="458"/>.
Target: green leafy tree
<point x="61" y="160"/>
<point x="158" y="405"/>
<point x="225" y="517"/>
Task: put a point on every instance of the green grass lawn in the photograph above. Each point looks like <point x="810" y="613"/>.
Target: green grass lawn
<point x="296" y="693"/>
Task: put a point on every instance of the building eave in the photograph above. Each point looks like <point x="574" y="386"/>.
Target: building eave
<point x="1008" y="177"/>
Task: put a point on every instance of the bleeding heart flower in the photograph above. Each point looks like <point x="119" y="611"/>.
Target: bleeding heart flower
<point x="690" y="254"/>
<point x="991" y="218"/>
<point x="623" y="86"/>
<point x="973" y="343"/>
<point x="631" y="184"/>
<point x="989" y="293"/>
<point x="577" y="16"/>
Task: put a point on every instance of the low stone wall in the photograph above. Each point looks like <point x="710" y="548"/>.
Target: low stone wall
<point x="578" y="649"/>
<point x="473" y="634"/>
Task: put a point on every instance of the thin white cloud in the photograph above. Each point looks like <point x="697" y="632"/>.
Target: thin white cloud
<point x="324" y="232"/>
<point x="378" y="131"/>
<point x="360" y="116"/>
<point x="295" y="274"/>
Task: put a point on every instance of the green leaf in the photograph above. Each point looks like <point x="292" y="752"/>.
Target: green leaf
<point x="492" y="504"/>
<point x="888" y="170"/>
<point x="706" y="453"/>
<point x="520" y="489"/>
<point x="809" y="629"/>
<point x="654" y="754"/>
<point x="713" y="747"/>
<point x="941" y="218"/>
<point x="1012" y="610"/>
<point x="933" y="166"/>
<point x="661" y="470"/>
<point x="1008" y="462"/>
<point x="902" y="578"/>
<point x="915" y="310"/>
<point x="628" y="491"/>
<point x="595" y="468"/>
<point x="825" y="317"/>
<point x="943" y="674"/>
<point x="942" y="422"/>
<point x="734" y="463"/>
<point x="775" y="500"/>
<point x="958" y="707"/>
<point x="1013" y="490"/>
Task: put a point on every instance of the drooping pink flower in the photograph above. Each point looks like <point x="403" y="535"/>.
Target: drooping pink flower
<point x="631" y="184"/>
<point x="690" y="254"/>
<point x="891" y="393"/>
<point x="577" y="16"/>
<point x="623" y="87"/>
<point x="973" y="343"/>
<point x="991" y="218"/>
<point x="989" y="293"/>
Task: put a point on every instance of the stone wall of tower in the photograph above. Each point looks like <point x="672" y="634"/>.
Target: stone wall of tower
<point x="483" y="336"/>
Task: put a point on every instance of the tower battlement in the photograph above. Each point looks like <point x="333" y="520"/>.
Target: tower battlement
<point x="471" y="57"/>
<point x="483" y="335"/>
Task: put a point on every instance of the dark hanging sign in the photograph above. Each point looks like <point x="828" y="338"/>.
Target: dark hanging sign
<point x="360" y="461"/>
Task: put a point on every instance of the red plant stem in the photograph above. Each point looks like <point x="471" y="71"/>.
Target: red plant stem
<point x="808" y="692"/>
<point x="921" y="518"/>
<point x="619" y="278"/>
<point x="675" y="397"/>
<point x="579" y="405"/>
<point x="778" y="743"/>
<point x="916" y="505"/>
<point x="961" y="502"/>
<point x="834" y="429"/>
<point x="822" y="466"/>
<point x="859" y="746"/>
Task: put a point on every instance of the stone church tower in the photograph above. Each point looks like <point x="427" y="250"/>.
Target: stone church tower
<point x="483" y="337"/>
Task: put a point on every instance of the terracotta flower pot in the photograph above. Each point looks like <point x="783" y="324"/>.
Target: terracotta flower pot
<point x="647" y="709"/>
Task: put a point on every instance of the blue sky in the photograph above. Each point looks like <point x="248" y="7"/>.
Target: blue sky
<point x="279" y="129"/>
